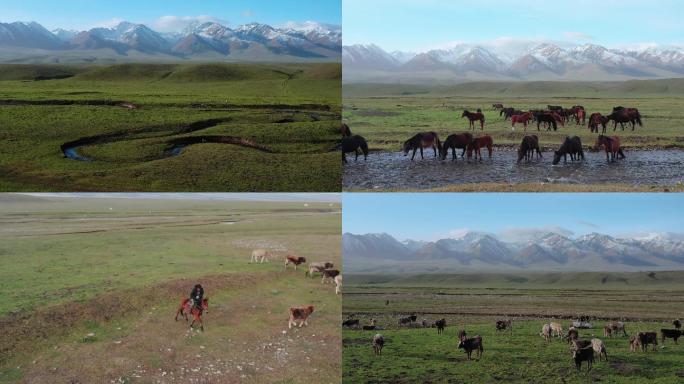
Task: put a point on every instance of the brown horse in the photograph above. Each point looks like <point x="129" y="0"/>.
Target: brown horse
<point x="420" y="141"/>
<point x="480" y="142"/>
<point x="473" y="117"/>
<point x="460" y="140"/>
<point x="345" y="130"/>
<point x="196" y="313"/>
<point x="528" y="146"/>
<point x="595" y="120"/>
<point x="611" y="145"/>
<point x="523" y="118"/>
<point x="625" y="115"/>
<point x="497" y="106"/>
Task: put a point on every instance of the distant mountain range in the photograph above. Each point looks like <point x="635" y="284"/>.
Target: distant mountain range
<point x="22" y="42"/>
<point x="466" y="62"/>
<point x="477" y="251"/>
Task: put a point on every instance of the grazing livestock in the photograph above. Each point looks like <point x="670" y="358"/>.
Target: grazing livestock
<point x="440" y="324"/>
<point x="582" y="324"/>
<point x="607" y="331"/>
<point x="572" y="335"/>
<point x="318" y="266"/>
<point x="677" y="323"/>
<point x="557" y="329"/>
<point x="259" y="255"/>
<point x="611" y="145"/>
<point x="497" y="106"/>
<point x="633" y="343"/>
<point x="600" y="348"/>
<point x="420" y="141"/>
<point x="502" y="325"/>
<point x="646" y="338"/>
<point x="470" y="344"/>
<point x="301" y="315"/>
<point x="617" y="327"/>
<point x="338" y="284"/>
<point x="522" y="118"/>
<point x="378" y="343"/>
<point x="624" y="115"/>
<point x="546" y="332"/>
<point x="473" y="117"/>
<point x="583" y="351"/>
<point x="294" y="260"/>
<point x="571" y="146"/>
<point x="597" y="119"/>
<point x="407" y="320"/>
<point x="353" y="144"/>
<point x="673" y="334"/>
<point x="462" y="335"/>
<point x="329" y="275"/>
<point x="548" y="119"/>
<point x="370" y="327"/>
<point x="528" y="146"/>
<point x="460" y="140"/>
<point x="508" y="112"/>
<point x="480" y="142"/>
<point x="350" y="323"/>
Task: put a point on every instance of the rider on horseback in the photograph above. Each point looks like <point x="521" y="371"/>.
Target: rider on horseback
<point x="196" y="296"/>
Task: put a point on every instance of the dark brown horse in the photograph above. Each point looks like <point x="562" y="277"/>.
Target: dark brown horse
<point x="353" y="144"/>
<point x="528" y="146"/>
<point x="508" y="112"/>
<point x="420" y="141"/>
<point x="546" y="118"/>
<point x="611" y="145"/>
<point x="497" y="106"/>
<point x="625" y="115"/>
<point x="345" y="130"/>
<point x="473" y="117"/>
<point x="597" y="119"/>
<point x="480" y="142"/>
<point x="460" y="140"/>
<point x="571" y="146"/>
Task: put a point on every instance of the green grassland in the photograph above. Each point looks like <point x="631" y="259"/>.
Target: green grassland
<point x="386" y="115"/>
<point x="291" y="109"/>
<point x="473" y="302"/>
<point x="117" y="268"/>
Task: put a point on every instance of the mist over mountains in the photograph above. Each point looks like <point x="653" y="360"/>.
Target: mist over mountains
<point x="30" y="42"/>
<point x="545" y="61"/>
<point x="543" y="251"/>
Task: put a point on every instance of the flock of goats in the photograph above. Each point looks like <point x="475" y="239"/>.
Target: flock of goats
<point x="551" y="117"/>
<point x="299" y="315"/>
<point x="582" y="350"/>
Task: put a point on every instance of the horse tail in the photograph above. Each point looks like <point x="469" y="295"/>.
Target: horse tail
<point x="638" y="118"/>
<point x="364" y="146"/>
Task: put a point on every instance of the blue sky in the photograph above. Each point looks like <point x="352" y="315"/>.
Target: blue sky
<point x="83" y="14"/>
<point x="431" y="216"/>
<point x="416" y="25"/>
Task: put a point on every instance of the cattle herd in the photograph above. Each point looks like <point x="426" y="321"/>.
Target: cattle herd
<point x="549" y="118"/>
<point x="299" y="315"/>
<point x="583" y="351"/>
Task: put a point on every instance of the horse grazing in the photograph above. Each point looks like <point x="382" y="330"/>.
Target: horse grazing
<point x="597" y="119"/>
<point x="420" y="141"/>
<point x="523" y="118"/>
<point x="497" y="106"/>
<point x="459" y="140"/>
<point x="473" y="117"/>
<point x="625" y="115"/>
<point x="572" y="146"/>
<point x="611" y="145"/>
<point x="480" y="142"/>
<point x="353" y="144"/>
<point x="546" y="118"/>
<point x="196" y="313"/>
<point x="528" y="146"/>
<point x="554" y="108"/>
<point x="345" y="130"/>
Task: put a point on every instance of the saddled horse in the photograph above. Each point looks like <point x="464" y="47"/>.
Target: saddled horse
<point x="522" y="118"/>
<point x="345" y="130"/>
<point x="459" y="140"/>
<point x="611" y="145"/>
<point x="480" y="142"/>
<point x="420" y="141"/>
<point x="473" y="117"/>
<point x="353" y="144"/>
<point x="528" y="146"/>
<point x="186" y="308"/>
<point x="595" y="120"/>
<point x="546" y="118"/>
<point x="571" y="146"/>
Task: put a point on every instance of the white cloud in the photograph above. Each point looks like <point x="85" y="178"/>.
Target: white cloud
<point x="177" y="23"/>
<point x="578" y="36"/>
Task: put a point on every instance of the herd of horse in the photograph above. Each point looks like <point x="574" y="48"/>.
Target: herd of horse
<point x="550" y="118"/>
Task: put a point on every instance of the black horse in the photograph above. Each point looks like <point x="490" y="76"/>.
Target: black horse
<point x="528" y="146"/>
<point x="460" y="140"/>
<point x="420" y="141"/>
<point x="353" y="144"/>
<point x="571" y="146"/>
<point x="546" y="118"/>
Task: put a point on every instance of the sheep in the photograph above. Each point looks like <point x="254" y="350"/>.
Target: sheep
<point x="557" y="329"/>
<point x="378" y="343"/>
<point x="546" y="332"/>
<point x="599" y="348"/>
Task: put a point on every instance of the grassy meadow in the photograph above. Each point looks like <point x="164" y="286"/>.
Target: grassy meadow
<point x="92" y="286"/>
<point x="645" y="301"/>
<point x="290" y="109"/>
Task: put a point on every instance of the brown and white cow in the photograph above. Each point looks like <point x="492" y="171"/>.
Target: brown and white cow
<point x="259" y="255"/>
<point x="319" y="266"/>
<point x="294" y="260"/>
<point x="329" y="275"/>
<point x="301" y="315"/>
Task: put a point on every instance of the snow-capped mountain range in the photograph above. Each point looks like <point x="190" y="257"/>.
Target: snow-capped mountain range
<point x="542" y="251"/>
<point x="545" y="61"/>
<point x="254" y="41"/>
